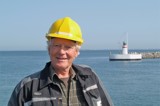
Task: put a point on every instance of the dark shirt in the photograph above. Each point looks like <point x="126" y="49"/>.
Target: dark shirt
<point x="72" y="94"/>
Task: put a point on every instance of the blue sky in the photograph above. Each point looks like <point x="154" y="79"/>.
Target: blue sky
<point x="104" y="23"/>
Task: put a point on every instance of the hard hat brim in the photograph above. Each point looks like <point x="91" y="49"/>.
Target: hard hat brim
<point x="49" y="36"/>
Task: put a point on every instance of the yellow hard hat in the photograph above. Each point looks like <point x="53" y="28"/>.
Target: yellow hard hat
<point x="65" y="28"/>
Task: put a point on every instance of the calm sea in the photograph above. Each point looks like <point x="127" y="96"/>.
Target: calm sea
<point x="129" y="83"/>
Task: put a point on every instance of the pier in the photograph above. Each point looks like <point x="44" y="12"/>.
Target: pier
<point x="148" y="55"/>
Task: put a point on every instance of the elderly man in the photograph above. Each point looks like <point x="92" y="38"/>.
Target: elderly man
<point x="62" y="83"/>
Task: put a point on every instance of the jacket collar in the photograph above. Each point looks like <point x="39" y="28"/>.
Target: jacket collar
<point x="47" y="74"/>
<point x="81" y="69"/>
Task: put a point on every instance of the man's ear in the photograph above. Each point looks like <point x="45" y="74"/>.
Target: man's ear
<point x="48" y="48"/>
<point x="77" y="53"/>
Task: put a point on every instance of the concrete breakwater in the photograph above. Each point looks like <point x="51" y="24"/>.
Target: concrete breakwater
<point x="148" y="55"/>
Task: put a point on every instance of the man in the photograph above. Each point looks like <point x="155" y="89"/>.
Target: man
<point x="62" y="83"/>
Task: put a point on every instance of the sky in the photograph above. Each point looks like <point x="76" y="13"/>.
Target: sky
<point x="105" y="24"/>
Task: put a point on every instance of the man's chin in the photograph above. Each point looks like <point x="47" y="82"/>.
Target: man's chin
<point x="61" y="66"/>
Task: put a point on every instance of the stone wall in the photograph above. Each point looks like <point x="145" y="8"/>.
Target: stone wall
<point x="151" y="55"/>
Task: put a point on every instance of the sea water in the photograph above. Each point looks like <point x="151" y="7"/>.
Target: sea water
<point x="129" y="83"/>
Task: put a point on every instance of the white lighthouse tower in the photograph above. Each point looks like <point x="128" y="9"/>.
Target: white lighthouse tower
<point x="124" y="48"/>
<point x="125" y="56"/>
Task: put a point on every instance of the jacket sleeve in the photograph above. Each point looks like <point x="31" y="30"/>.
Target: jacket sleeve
<point x="105" y="97"/>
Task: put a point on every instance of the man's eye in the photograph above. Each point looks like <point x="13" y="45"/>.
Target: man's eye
<point x="68" y="47"/>
<point x="56" y="45"/>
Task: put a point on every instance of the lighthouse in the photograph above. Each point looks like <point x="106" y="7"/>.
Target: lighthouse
<point x="124" y="48"/>
<point x="125" y="56"/>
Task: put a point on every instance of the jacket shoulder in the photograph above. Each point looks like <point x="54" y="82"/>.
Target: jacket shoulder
<point x="27" y="80"/>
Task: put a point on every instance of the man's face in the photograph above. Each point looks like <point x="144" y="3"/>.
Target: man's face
<point x="62" y="53"/>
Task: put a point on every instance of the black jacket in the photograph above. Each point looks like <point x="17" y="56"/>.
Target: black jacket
<point x="38" y="89"/>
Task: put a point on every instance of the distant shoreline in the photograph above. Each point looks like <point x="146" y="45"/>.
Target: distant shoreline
<point x="155" y="50"/>
<point x="146" y="53"/>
